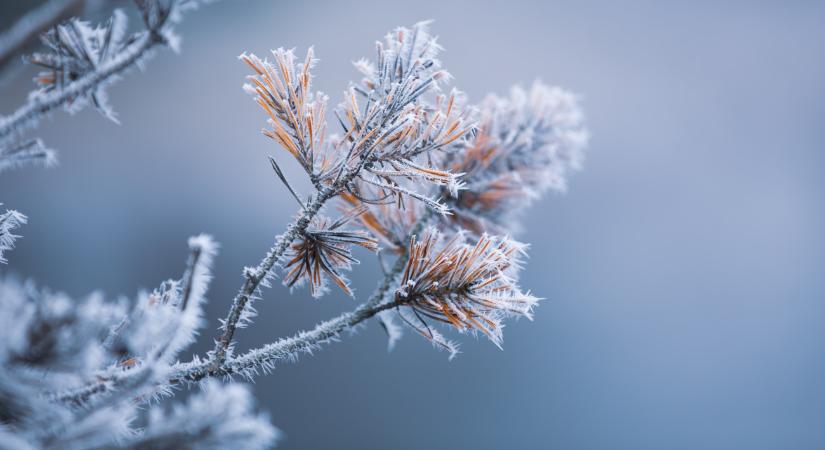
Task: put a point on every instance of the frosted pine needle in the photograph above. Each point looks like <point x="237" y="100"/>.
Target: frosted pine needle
<point x="322" y="253"/>
<point x="526" y="144"/>
<point x="168" y="319"/>
<point x="297" y="115"/>
<point x="26" y="153"/>
<point x="394" y="123"/>
<point x="470" y="286"/>
<point x="9" y="221"/>
<point x="77" y="49"/>
<point x="382" y="216"/>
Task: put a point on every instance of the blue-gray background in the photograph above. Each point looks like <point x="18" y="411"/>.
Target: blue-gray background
<point x="683" y="270"/>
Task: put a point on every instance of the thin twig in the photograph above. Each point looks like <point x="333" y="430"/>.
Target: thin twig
<point x="189" y="275"/>
<point x="255" y="276"/>
<point x="261" y="358"/>
<point x="28" y="152"/>
<point x="40" y="105"/>
<point x="287" y="347"/>
<point x="264" y="357"/>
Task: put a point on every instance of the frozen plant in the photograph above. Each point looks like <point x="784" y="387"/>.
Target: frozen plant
<point x="83" y="60"/>
<point x="51" y="344"/>
<point x="415" y="174"/>
<point x="9" y="221"/>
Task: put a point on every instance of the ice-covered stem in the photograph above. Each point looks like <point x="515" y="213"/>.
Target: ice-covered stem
<point x="264" y="358"/>
<point x="253" y="277"/>
<point x="260" y="359"/>
<point x="9" y="221"/>
<point x="39" y="106"/>
<point x="139" y="46"/>
<point x="29" y="152"/>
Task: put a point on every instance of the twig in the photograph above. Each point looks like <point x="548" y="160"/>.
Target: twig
<point x="287" y="347"/>
<point x="40" y="105"/>
<point x="189" y="275"/>
<point x="255" y="276"/>
<point x="29" y="152"/>
<point x="263" y="358"/>
<point x="139" y="46"/>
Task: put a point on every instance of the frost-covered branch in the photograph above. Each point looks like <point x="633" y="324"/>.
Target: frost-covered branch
<point x="526" y="144"/>
<point x="85" y="60"/>
<point x="52" y="346"/>
<point x="439" y="184"/>
<point x="391" y="128"/>
<point x="9" y="221"/>
<point x="263" y="359"/>
<point x="529" y="140"/>
<point x="29" y="152"/>
<point x="254" y="277"/>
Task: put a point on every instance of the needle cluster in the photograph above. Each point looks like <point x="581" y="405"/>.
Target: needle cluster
<point x="470" y="286"/>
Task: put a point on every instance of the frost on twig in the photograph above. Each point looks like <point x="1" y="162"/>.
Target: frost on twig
<point x="395" y="124"/>
<point x="83" y="60"/>
<point x="51" y="346"/>
<point x="9" y="221"/>
<point x="410" y="171"/>
<point x="29" y="152"/>
<point x="75" y="50"/>
<point x="167" y="320"/>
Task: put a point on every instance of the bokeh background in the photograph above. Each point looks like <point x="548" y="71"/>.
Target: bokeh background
<point x="683" y="270"/>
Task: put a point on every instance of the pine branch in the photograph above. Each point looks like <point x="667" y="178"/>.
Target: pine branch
<point x="254" y="277"/>
<point x="9" y="221"/>
<point x="264" y="358"/>
<point x="138" y="47"/>
<point x="248" y="364"/>
<point x="384" y="127"/>
<point x="29" y="152"/>
<point x="39" y="106"/>
<point x="456" y="273"/>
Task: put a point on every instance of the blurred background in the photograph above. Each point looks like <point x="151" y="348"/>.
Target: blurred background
<point x="683" y="270"/>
